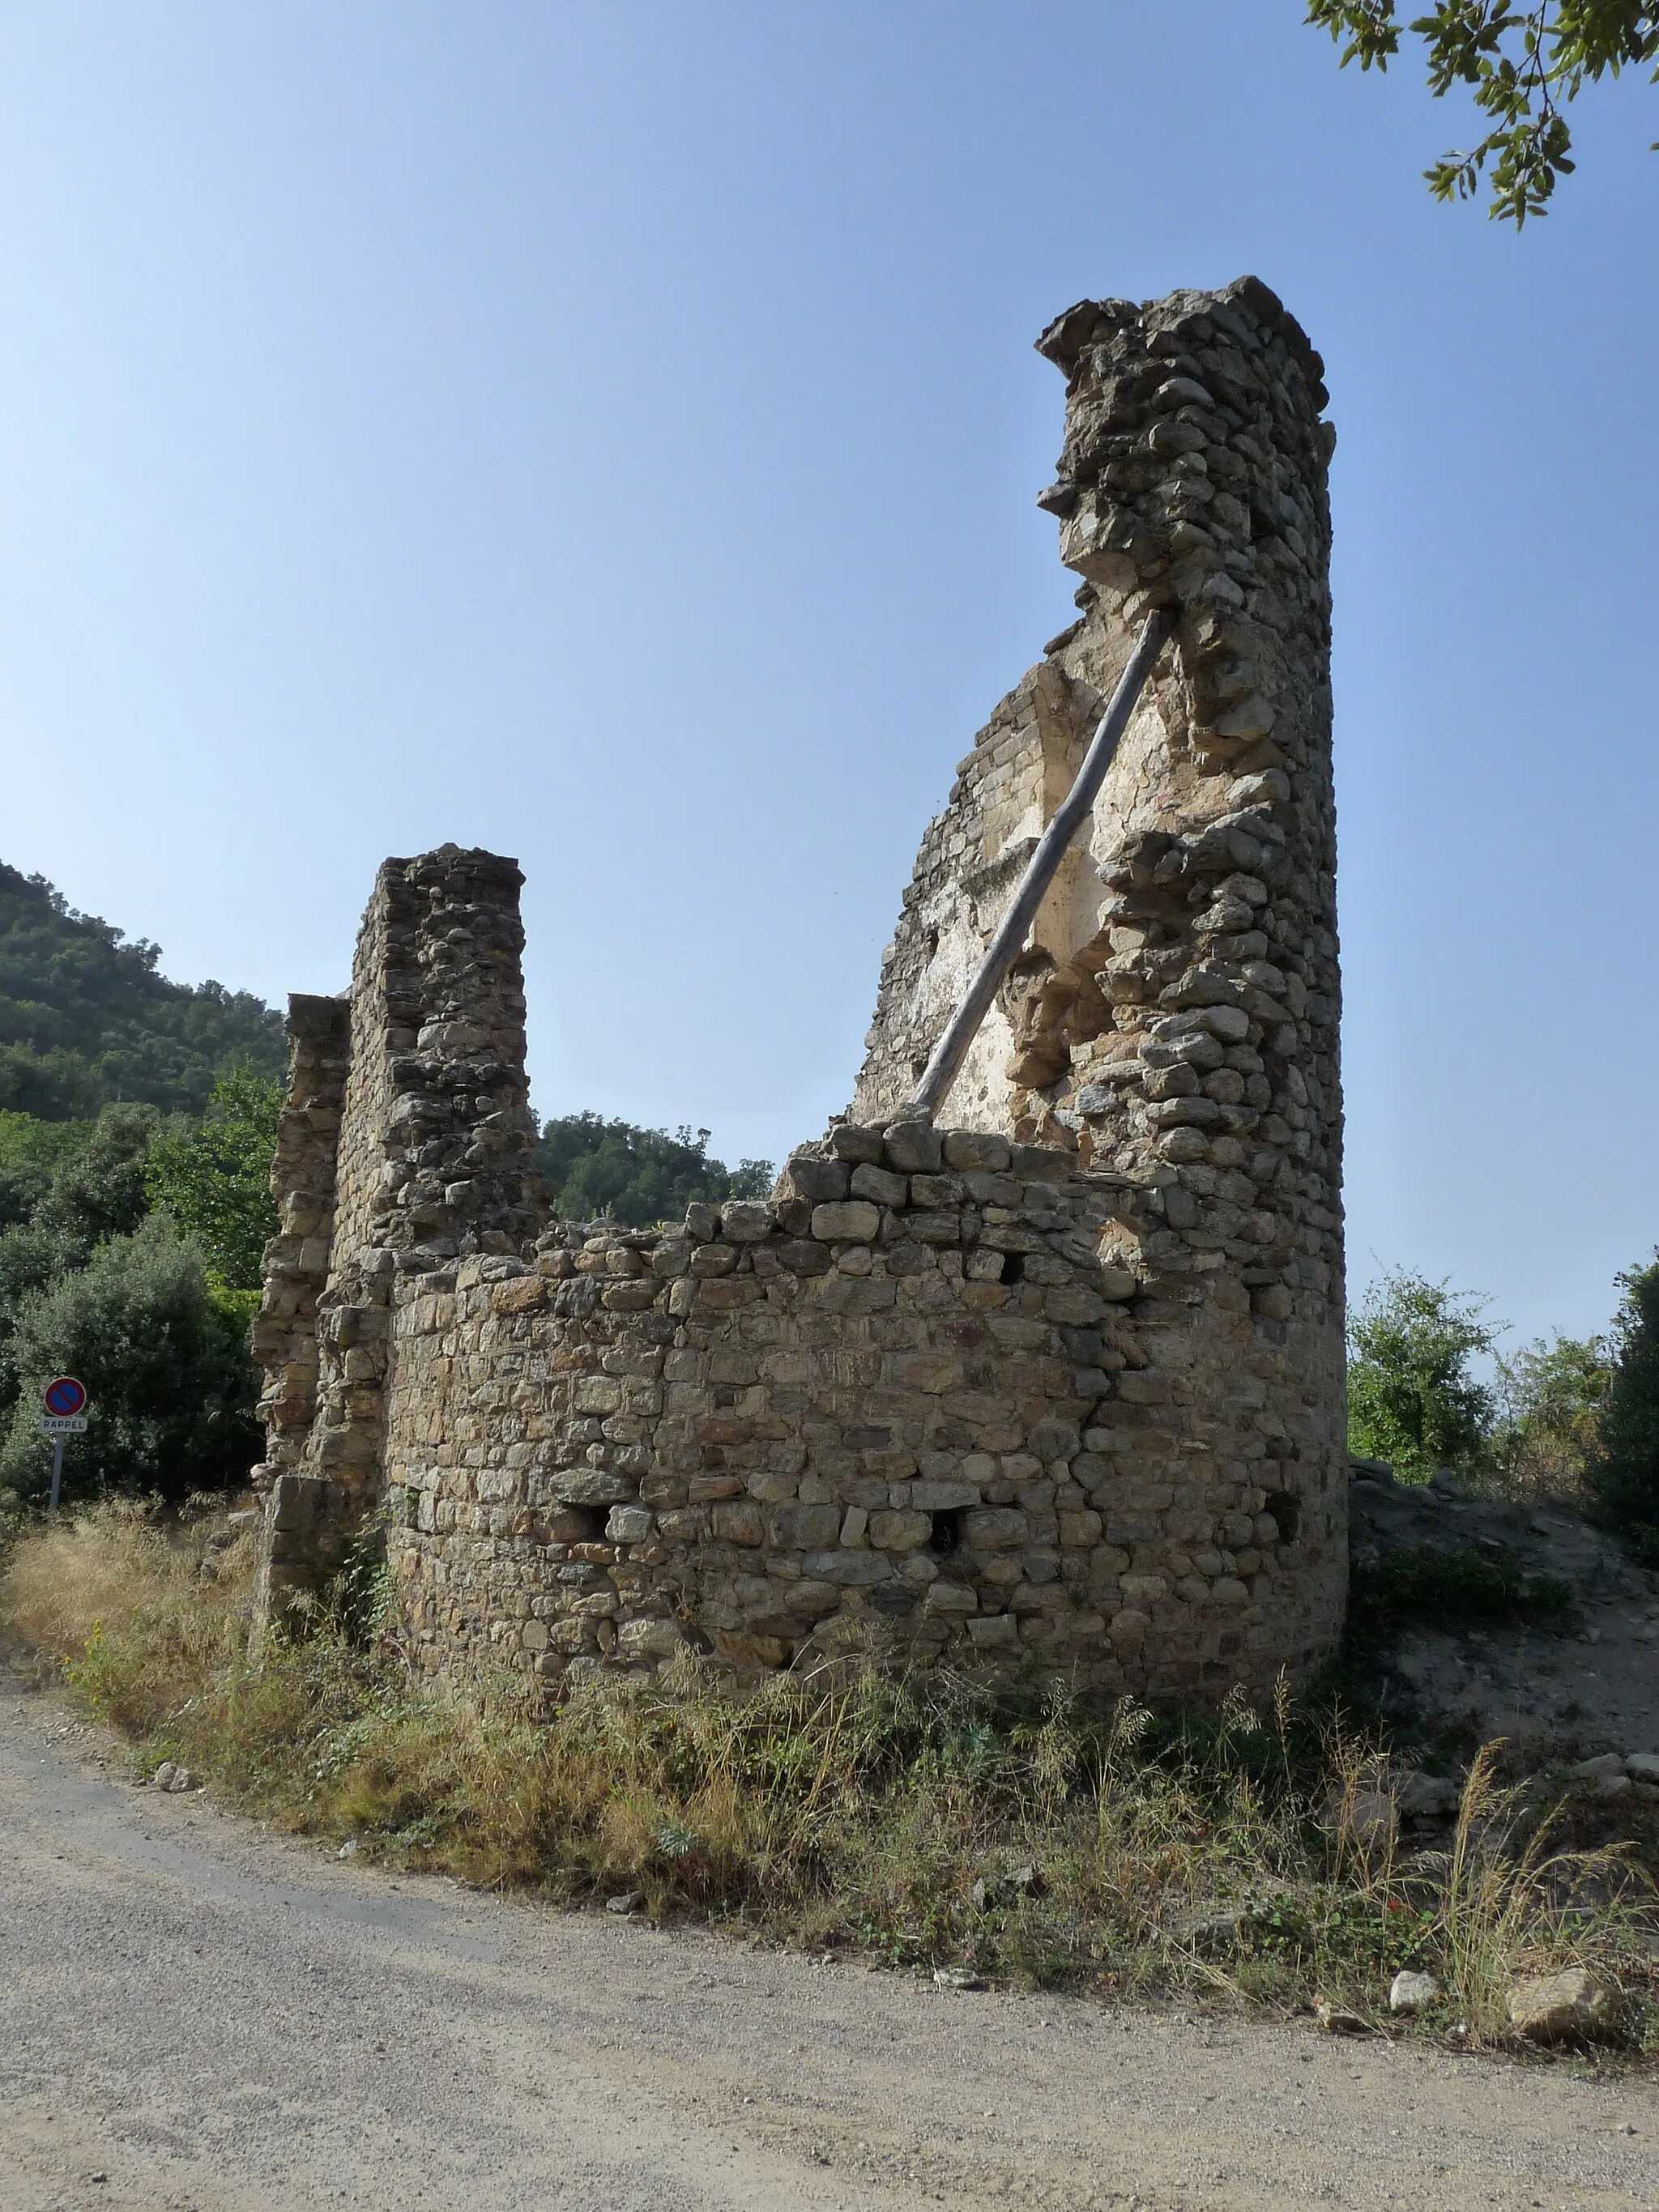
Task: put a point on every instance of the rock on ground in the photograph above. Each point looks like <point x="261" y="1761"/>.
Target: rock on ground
<point x="1550" y="2008"/>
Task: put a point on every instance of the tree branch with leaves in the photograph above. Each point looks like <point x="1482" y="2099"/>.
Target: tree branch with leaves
<point x="1525" y="66"/>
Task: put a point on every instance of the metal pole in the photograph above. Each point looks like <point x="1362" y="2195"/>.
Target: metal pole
<point x="1005" y="947"/>
<point x="57" y="1472"/>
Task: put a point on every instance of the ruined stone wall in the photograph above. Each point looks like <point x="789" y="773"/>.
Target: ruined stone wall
<point x="905" y="1398"/>
<point x="1062" y="1381"/>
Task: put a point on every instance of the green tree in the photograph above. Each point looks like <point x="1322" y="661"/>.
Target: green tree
<point x="1523" y="66"/>
<point x="1549" y="1404"/>
<point x="99" y="1185"/>
<point x="1411" y="1399"/>
<point x="214" y="1177"/>
<point x="1623" y="1472"/>
<point x="168" y="1373"/>
<point x="595" y="1168"/>
<point x="30" y="1152"/>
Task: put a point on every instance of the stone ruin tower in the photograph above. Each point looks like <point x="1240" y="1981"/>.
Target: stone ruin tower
<point x="1052" y="1376"/>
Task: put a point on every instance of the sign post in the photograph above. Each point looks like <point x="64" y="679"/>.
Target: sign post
<point x="65" y="1416"/>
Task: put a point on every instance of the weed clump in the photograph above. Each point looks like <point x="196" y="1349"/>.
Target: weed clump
<point x="1256" y="1859"/>
<point x="1427" y="1583"/>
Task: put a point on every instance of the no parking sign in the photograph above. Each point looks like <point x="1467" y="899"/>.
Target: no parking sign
<point x="65" y="1416"/>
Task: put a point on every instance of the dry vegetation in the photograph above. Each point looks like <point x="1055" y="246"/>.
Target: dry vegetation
<point x="1250" y="1857"/>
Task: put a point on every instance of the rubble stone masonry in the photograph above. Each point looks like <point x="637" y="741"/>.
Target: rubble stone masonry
<point x="1060" y="1381"/>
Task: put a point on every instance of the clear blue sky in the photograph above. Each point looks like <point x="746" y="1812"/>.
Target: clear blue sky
<point x="608" y="433"/>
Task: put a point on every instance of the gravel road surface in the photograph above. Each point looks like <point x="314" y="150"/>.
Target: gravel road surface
<point x="199" y="2016"/>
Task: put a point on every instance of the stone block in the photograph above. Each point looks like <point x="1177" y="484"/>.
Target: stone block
<point x="855" y="1222"/>
<point x="955" y="1600"/>
<point x="880" y="1185"/>
<point x="745" y="1221"/>
<point x="971" y="1148"/>
<point x="685" y="1524"/>
<point x="913" y="1147"/>
<point x="596" y="1394"/>
<point x="1042" y="1163"/>
<point x="848" y="1141"/>
<point x="740" y="1521"/>
<point x="802" y="1255"/>
<point x="295" y="1502"/>
<point x="805" y="1527"/>
<point x="852" y="1569"/>
<point x="649" y="1639"/>
<point x="995" y="1632"/>
<point x="899" y="1531"/>
<point x="590" y="1487"/>
<point x="822" y="1182"/>
<point x="813" y="1600"/>
<point x="943" y="1497"/>
<point x="995" y="1528"/>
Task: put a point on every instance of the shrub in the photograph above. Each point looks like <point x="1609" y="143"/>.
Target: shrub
<point x="1622" y="1474"/>
<point x="1549" y="1403"/>
<point x="167" y="1373"/>
<point x="1446" y="1588"/>
<point x="1411" y="1399"/>
<point x="99" y="1189"/>
<point x="214" y="1177"/>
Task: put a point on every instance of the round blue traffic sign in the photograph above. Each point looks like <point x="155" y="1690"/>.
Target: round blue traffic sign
<point x="66" y="1396"/>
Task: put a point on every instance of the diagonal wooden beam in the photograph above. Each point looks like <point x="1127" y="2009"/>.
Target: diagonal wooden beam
<point x="1006" y="946"/>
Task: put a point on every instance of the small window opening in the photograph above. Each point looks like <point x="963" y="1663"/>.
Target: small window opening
<point x="1285" y="1508"/>
<point x="1014" y="1267"/>
<point x="945" y="1535"/>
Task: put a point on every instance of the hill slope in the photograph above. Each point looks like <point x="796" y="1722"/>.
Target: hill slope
<point x="85" y="1017"/>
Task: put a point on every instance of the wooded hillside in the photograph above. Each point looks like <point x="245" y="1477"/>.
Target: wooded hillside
<point x="86" y="1019"/>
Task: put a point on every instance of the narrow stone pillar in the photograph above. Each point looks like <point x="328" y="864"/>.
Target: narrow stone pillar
<point x="405" y="1143"/>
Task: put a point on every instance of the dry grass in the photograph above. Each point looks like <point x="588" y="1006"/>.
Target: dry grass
<point x="1245" y="1856"/>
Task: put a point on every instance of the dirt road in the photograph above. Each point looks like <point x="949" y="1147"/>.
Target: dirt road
<point x="197" y="2017"/>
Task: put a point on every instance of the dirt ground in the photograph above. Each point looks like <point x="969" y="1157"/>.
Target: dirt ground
<point x="200" y="2017"/>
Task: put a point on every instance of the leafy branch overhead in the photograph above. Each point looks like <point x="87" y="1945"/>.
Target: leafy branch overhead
<point x="1524" y="67"/>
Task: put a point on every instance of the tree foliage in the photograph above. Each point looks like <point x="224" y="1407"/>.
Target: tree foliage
<point x="165" y="1368"/>
<point x="214" y="1177"/>
<point x="1623" y="1472"/>
<point x="129" y="1249"/>
<point x="85" y="1017"/>
<point x="595" y="1168"/>
<point x="1524" y="66"/>
<point x="1549" y="1399"/>
<point x="1412" y="1398"/>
